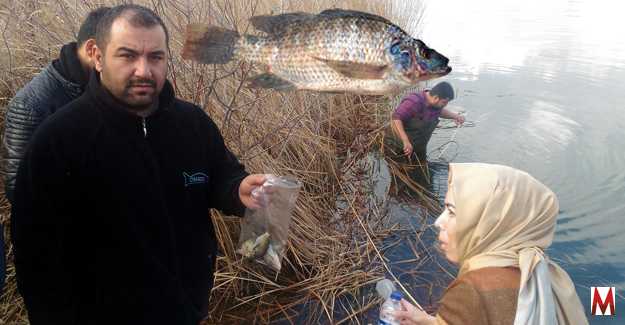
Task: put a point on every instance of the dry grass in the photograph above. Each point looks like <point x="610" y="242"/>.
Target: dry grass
<point x="337" y="235"/>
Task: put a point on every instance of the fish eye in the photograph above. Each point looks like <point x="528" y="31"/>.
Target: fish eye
<point x="395" y="48"/>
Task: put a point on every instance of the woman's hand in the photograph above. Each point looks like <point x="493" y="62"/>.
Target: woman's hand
<point x="411" y="315"/>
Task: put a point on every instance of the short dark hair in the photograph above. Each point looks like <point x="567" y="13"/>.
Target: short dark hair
<point x="443" y="90"/>
<point x="88" y="27"/>
<point x="138" y="16"/>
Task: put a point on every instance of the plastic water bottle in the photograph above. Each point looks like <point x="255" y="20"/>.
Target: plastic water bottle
<point x="391" y="304"/>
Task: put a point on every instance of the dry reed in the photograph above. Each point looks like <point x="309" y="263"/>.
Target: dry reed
<point x="337" y="236"/>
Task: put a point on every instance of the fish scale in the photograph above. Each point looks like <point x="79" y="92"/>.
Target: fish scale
<point x="306" y="70"/>
<point x="333" y="51"/>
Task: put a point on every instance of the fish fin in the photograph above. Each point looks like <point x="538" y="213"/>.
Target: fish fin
<point x="353" y="13"/>
<point x="270" y="80"/>
<point x="357" y="70"/>
<point x="276" y="24"/>
<point x="209" y="44"/>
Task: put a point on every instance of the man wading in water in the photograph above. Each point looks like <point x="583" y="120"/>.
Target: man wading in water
<point x="417" y="116"/>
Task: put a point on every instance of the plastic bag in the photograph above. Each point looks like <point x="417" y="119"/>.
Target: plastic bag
<point x="265" y="231"/>
<point x="384" y="288"/>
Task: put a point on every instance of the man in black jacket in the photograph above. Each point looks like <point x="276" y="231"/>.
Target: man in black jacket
<point x="60" y="82"/>
<point x="111" y="217"/>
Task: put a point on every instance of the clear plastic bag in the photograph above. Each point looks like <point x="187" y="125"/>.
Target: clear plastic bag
<point x="384" y="288"/>
<point x="265" y="231"/>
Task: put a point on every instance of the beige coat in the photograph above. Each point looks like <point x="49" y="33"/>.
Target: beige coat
<point x="483" y="296"/>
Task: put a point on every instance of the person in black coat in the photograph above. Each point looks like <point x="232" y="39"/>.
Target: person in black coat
<point x="62" y="81"/>
<point x="57" y="84"/>
<point x="111" y="221"/>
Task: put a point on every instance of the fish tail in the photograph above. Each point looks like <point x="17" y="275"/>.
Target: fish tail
<point x="187" y="179"/>
<point x="210" y="44"/>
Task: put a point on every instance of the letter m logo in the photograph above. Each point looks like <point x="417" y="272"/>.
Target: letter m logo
<point x="603" y="297"/>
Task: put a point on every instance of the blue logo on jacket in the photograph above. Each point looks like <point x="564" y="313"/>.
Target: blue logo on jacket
<point x="197" y="178"/>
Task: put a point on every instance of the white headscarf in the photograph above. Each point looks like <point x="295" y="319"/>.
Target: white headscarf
<point x="505" y="217"/>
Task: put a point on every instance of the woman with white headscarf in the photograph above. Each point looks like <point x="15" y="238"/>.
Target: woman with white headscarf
<point x="496" y="225"/>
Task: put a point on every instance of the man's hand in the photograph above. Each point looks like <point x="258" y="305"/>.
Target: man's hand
<point x="248" y="184"/>
<point x="459" y="119"/>
<point x="407" y="148"/>
<point x="411" y="315"/>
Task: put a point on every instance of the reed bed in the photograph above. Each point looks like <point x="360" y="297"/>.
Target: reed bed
<point x="339" y="228"/>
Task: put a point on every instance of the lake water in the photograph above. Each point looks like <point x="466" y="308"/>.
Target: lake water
<point x="544" y="83"/>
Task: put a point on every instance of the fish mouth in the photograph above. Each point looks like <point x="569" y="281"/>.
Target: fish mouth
<point x="441" y="71"/>
<point x="429" y="63"/>
<point x="427" y="74"/>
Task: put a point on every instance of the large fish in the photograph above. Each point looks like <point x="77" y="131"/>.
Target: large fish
<point x="334" y="51"/>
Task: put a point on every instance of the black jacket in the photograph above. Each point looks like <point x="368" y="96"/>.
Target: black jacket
<point x="111" y="222"/>
<point x="54" y="87"/>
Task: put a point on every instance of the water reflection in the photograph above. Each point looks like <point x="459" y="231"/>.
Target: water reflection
<point x="546" y="123"/>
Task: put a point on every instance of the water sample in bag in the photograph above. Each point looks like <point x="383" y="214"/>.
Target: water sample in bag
<point x="265" y="231"/>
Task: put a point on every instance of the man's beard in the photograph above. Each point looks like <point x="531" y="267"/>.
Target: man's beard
<point x="125" y="96"/>
<point x="141" y="104"/>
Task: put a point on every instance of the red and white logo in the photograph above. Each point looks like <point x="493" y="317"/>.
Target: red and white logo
<point x="602" y="300"/>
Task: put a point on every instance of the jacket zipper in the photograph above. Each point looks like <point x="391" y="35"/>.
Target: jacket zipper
<point x="145" y="128"/>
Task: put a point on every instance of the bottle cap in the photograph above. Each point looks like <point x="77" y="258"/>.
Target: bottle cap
<point x="396" y="295"/>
